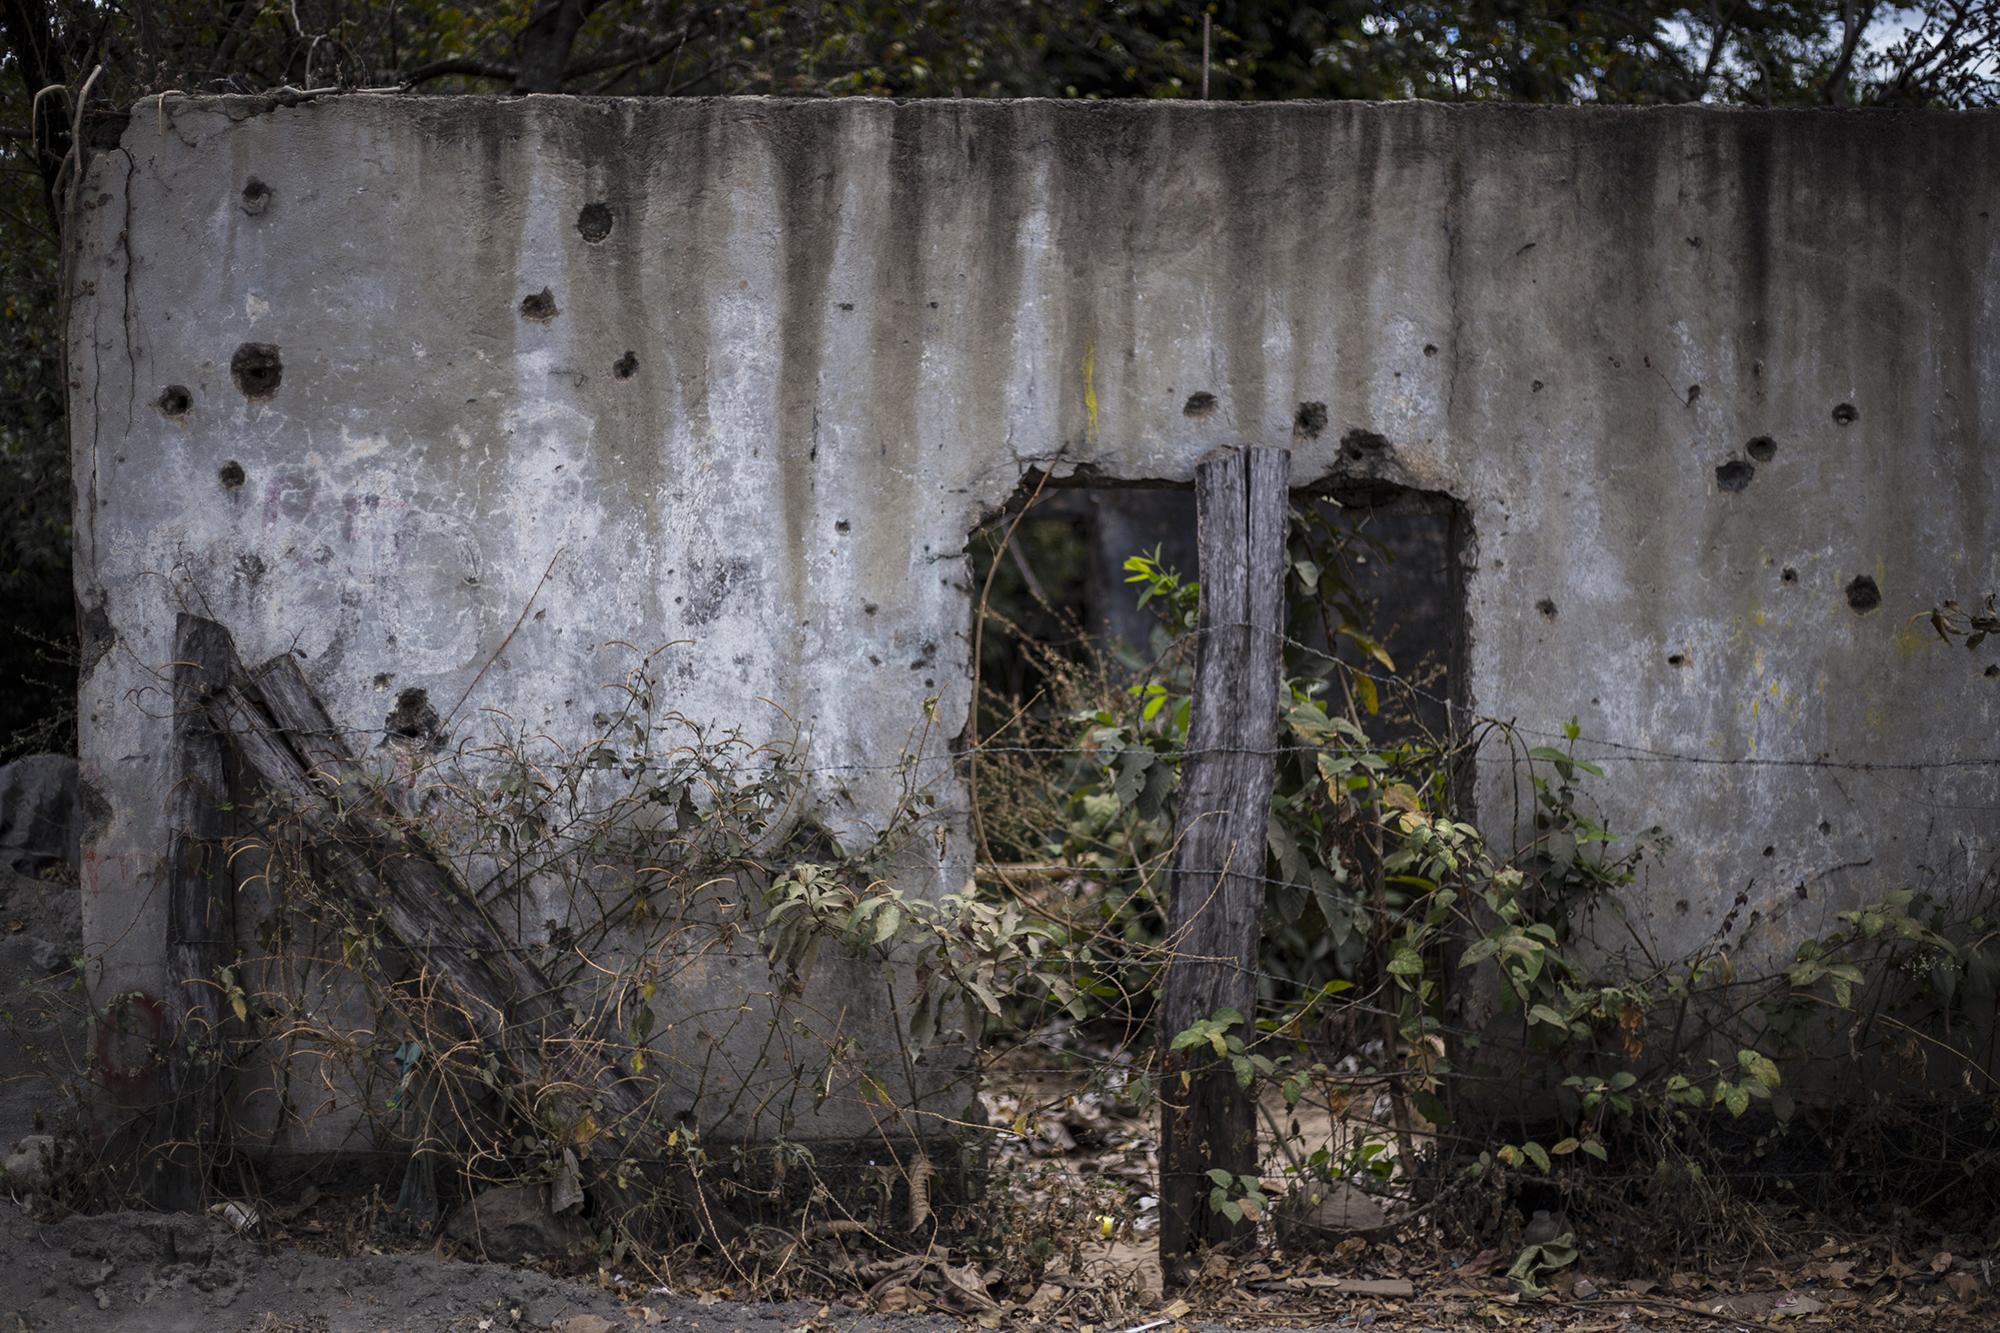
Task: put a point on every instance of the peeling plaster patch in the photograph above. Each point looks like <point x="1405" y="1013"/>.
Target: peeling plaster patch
<point x="708" y="587"/>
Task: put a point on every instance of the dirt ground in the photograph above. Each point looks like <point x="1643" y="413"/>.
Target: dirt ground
<point x="152" y="1273"/>
<point x="167" y="1273"/>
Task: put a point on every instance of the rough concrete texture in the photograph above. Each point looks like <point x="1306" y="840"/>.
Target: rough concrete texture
<point x="819" y="341"/>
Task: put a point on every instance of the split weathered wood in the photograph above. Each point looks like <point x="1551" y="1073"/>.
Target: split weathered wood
<point x="201" y="920"/>
<point x="1242" y="503"/>
<point x="482" y="997"/>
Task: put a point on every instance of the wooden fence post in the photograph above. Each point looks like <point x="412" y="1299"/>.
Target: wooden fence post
<point x="1242" y="501"/>
<point x="488" y="1005"/>
<point x="201" y="918"/>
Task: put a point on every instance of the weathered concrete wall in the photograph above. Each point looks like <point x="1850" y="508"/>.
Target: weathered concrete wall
<point x="820" y="340"/>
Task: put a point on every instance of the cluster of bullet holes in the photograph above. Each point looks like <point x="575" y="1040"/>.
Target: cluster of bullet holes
<point x="256" y="196"/>
<point x="256" y="369"/>
<point x="1863" y="595"/>
<point x="539" y="306"/>
<point x="230" y="474"/>
<point x="1199" y="405"/>
<point x="626" y="366"/>
<point x="594" y="222"/>
<point x="175" y="400"/>
<point x="1734" y="475"/>
<point x="1309" y="421"/>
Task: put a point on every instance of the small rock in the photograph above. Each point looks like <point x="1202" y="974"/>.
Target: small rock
<point x="28" y="1166"/>
<point x="40" y="812"/>
<point x="583" y="1323"/>
<point x="1318" y="1213"/>
<point x="1543" y="1228"/>
<point x="509" y="1222"/>
<point x="48" y="957"/>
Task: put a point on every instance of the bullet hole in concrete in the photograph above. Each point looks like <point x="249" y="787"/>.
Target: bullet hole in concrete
<point x="256" y="196"/>
<point x="1770" y="851"/>
<point x="382" y="680"/>
<point x="869" y="608"/>
<point x="1790" y="575"/>
<point x="842" y="525"/>
<point x="1992" y="671"/>
<point x="1547" y="608"/>
<point x="175" y="400"/>
<point x="539" y="306"/>
<point x="1430" y="349"/>
<point x="257" y="369"/>
<point x="1677" y="659"/>
<point x="594" y="222"/>
<point x="230" y="474"/>
<point x="1845" y="414"/>
<point x="1734" y="475"/>
<point x="1763" y="448"/>
<point x="1693" y="394"/>
<point x="1534" y="386"/>
<point x="1825" y="828"/>
<point x="1309" y="421"/>
<point x="1681" y="906"/>
<point x="1199" y="405"/>
<point x="413" y="722"/>
<point x="847" y="305"/>
<point x="1363" y="445"/>
<point x="626" y="366"/>
<point x="1694" y="242"/>
<point x="873" y="660"/>
<point x="1863" y="595"/>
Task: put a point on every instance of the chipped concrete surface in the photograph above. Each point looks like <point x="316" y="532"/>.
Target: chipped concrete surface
<point x="760" y="413"/>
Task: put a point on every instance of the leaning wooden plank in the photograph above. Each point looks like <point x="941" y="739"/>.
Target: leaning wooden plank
<point x="1208" y="1120"/>
<point x="201" y="920"/>
<point x="489" y="998"/>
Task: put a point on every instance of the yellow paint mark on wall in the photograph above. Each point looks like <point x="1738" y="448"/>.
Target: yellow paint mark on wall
<point x="1090" y="390"/>
<point x="1758" y="614"/>
<point x="1912" y="641"/>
